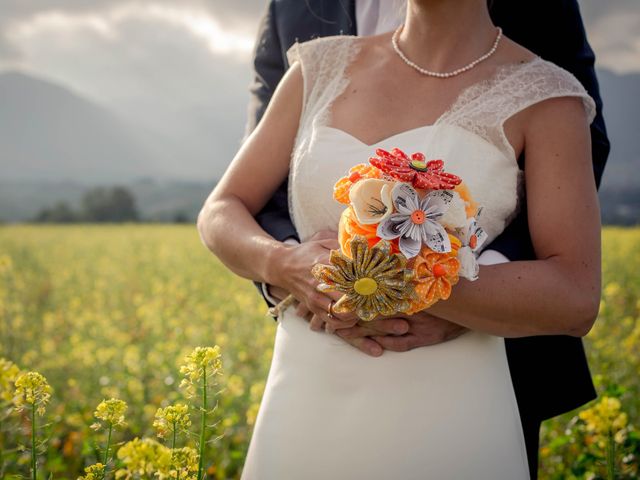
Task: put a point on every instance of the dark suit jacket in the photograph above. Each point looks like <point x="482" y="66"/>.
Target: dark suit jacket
<point x="550" y="373"/>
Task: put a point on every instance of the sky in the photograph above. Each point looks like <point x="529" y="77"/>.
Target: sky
<point x="153" y="59"/>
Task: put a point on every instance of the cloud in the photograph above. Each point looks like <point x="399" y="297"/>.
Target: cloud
<point x="613" y="28"/>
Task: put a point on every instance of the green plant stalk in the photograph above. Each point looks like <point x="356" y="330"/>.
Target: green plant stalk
<point x="203" y="423"/>
<point x="611" y="456"/>
<point x="34" y="463"/>
<point x="106" y="452"/>
<point x="173" y="447"/>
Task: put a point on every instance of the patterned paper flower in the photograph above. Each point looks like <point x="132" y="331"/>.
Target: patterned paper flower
<point x="374" y="281"/>
<point x="358" y="172"/>
<point x="349" y="228"/>
<point x="371" y="200"/>
<point x="435" y="274"/>
<point x="415" y="169"/>
<point x="416" y="221"/>
<point x="473" y="236"/>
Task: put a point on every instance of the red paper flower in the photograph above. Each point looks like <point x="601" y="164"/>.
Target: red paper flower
<point x="415" y="170"/>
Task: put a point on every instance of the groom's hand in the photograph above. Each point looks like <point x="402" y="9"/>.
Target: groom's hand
<point x="402" y="333"/>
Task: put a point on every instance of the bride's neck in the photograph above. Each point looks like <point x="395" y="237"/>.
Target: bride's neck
<point x="442" y="34"/>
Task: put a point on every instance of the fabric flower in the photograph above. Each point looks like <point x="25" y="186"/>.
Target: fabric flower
<point x="470" y="205"/>
<point x="374" y="281"/>
<point x="473" y="236"/>
<point x="358" y="172"/>
<point x="348" y="228"/>
<point x="415" y="169"/>
<point x="371" y="200"/>
<point x="434" y="276"/>
<point x="416" y="221"/>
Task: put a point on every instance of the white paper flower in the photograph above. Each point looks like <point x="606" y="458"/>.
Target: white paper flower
<point x="416" y="221"/>
<point x="371" y="200"/>
<point x="456" y="215"/>
<point x="473" y="236"/>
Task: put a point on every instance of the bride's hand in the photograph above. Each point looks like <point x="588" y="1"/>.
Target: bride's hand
<point x="292" y="272"/>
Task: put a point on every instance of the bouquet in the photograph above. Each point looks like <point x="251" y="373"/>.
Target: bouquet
<point x="408" y="233"/>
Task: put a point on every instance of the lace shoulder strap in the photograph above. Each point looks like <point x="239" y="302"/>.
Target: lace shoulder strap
<point x="485" y="109"/>
<point x="323" y="61"/>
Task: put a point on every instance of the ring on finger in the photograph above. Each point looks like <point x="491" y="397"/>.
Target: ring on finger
<point x="330" y="311"/>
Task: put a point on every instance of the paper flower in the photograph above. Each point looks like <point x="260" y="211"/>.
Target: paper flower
<point x="456" y="215"/>
<point x="371" y="200"/>
<point x="358" y="172"/>
<point x="416" y="220"/>
<point x="473" y="236"/>
<point x="470" y="205"/>
<point x="435" y="274"/>
<point x="349" y="228"/>
<point x="374" y="281"/>
<point x="415" y="169"/>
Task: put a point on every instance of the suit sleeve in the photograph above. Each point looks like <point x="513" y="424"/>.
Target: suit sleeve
<point x="565" y="44"/>
<point x="268" y="69"/>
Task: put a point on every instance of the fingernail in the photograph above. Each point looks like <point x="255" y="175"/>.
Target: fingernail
<point x="400" y="328"/>
<point x="376" y="350"/>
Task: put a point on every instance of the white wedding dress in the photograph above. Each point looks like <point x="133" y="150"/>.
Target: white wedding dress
<point x="441" y="412"/>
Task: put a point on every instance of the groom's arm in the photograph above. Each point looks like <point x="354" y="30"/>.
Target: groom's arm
<point x="564" y="43"/>
<point x="268" y="69"/>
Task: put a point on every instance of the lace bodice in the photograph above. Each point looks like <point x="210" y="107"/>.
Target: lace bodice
<point x="469" y="136"/>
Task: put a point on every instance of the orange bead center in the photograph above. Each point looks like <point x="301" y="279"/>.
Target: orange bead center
<point x="473" y="241"/>
<point x="354" y="177"/>
<point x="417" y="217"/>
<point x="439" y="270"/>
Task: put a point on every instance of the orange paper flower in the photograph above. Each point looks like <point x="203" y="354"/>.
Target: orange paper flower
<point x="359" y="172"/>
<point x="471" y="207"/>
<point x="349" y="228"/>
<point x="435" y="275"/>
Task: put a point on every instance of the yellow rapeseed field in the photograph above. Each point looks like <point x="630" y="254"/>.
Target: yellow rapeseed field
<point x="109" y="314"/>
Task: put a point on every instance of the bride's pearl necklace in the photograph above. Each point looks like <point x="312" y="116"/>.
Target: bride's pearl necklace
<point x="424" y="71"/>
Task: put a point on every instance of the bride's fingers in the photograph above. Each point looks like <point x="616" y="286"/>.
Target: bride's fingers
<point x="365" y="344"/>
<point x="316" y="323"/>
<point x="391" y="326"/>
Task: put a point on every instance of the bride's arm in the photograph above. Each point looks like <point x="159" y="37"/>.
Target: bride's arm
<point x="226" y="222"/>
<point x="559" y="293"/>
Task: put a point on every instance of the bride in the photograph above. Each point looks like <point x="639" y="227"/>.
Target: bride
<point x="446" y="83"/>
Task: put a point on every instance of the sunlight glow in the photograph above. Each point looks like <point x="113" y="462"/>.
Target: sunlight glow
<point x="200" y="24"/>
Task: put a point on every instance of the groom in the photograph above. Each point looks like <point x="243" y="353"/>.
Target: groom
<point x="549" y="373"/>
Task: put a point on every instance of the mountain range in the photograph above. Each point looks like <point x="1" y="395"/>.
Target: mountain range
<point x="55" y="143"/>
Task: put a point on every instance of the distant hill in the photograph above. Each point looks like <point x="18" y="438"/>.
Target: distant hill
<point x="49" y="133"/>
<point x="54" y="144"/>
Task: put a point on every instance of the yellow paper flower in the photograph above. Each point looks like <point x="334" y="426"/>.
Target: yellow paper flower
<point x="374" y="281"/>
<point x="32" y="389"/>
<point x="435" y="275"/>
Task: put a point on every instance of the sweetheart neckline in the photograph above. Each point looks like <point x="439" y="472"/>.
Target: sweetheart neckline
<point x="353" y="137"/>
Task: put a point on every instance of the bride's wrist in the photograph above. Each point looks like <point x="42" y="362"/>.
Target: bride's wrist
<point x="275" y="264"/>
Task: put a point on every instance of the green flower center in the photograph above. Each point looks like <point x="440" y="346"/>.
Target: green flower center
<point x="419" y="165"/>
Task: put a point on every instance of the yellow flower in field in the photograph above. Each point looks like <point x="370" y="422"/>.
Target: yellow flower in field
<point x="31" y="389"/>
<point x="172" y="419"/>
<point x="605" y="417"/>
<point x="143" y="457"/>
<point x="199" y="364"/>
<point x="112" y="412"/>
<point x="93" y="472"/>
<point x="9" y="371"/>
<point x="185" y="461"/>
